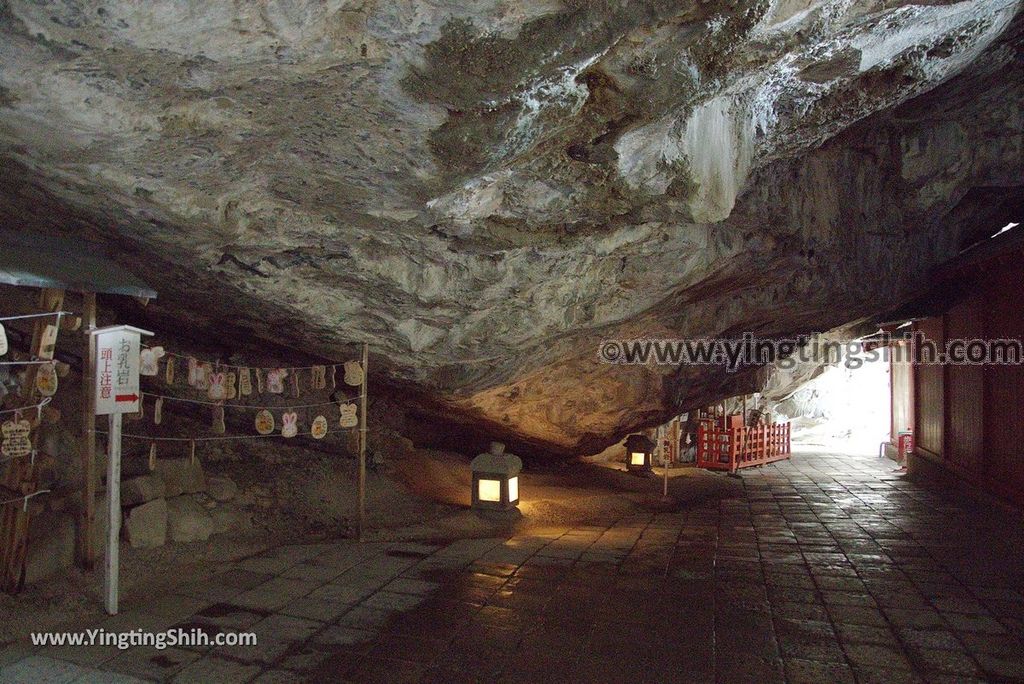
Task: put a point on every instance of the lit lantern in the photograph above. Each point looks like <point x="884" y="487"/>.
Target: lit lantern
<point x="496" y="479"/>
<point x="638" y="454"/>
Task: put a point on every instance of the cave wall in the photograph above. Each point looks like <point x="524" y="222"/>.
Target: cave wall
<point x="486" y="192"/>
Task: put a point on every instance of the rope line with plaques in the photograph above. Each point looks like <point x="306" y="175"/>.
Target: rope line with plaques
<point x="231" y="387"/>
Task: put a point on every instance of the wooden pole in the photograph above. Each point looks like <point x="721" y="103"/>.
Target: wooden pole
<point x="110" y="575"/>
<point x="662" y="437"/>
<point x="361" y="529"/>
<point x="87" y="526"/>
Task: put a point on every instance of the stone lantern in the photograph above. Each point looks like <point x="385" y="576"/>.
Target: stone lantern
<point x="638" y="454"/>
<point x="496" y="479"/>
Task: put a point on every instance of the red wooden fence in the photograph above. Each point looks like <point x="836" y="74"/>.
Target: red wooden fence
<point x="720" y="448"/>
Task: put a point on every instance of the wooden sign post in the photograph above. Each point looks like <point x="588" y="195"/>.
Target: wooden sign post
<point x="116" y="392"/>
<point x="87" y="545"/>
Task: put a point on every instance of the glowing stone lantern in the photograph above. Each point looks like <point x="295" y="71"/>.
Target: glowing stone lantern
<point x="638" y="454"/>
<point x="496" y="479"/>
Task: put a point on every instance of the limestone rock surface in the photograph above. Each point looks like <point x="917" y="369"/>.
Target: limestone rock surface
<point x="485" y="191"/>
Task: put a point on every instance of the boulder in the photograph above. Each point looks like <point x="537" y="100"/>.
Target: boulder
<point x="62" y="445"/>
<point x="146" y="525"/>
<point x="221" y="489"/>
<point x="229" y="518"/>
<point x="181" y="476"/>
<point x="187" y="520"/>
<point x="142" y="489"/>
<point x="51" y="546"/>
<point x="204" y="500"/>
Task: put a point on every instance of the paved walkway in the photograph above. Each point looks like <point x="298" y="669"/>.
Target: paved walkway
<point x="827" y="569"/>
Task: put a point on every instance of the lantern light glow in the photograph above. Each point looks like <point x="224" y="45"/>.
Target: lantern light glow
<point x="489" y="490"/>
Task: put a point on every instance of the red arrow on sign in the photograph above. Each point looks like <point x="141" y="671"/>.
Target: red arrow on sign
<point x="126" y="397"/>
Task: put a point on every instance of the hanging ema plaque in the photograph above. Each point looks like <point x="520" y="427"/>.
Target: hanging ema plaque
<point x="289" y="424"/>
<point x="264" y="422"/>
<point x="16" y="442"/>
<point x="319" y="428"/>
<point x="46" y="379"/>
<point x="347" y="416"/>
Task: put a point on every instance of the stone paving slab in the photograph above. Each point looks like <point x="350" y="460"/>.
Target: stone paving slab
<point x="827" y="569"/>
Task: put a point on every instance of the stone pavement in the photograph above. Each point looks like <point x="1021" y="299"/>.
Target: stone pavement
<point x="826" y="569"/>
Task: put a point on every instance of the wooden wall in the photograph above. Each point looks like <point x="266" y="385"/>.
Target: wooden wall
<point x="1004" y="387"/>
<point x="967" y="418"/>
<point x="929" y="410"/>
<point x="964" y="428"/>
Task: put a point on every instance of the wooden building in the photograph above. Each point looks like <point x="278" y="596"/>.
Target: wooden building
<point x="966" y="417"/>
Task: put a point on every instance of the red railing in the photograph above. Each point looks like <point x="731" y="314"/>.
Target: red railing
<point x="721" y="448"/>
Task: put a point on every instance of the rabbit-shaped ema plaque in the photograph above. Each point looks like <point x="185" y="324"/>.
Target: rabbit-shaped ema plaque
<point x="217" y="390"/>
<point x="203" y="374"/>
<point x="149" y="360"/>
<point x="289" y="424"/>
<point x="275" y="380"/>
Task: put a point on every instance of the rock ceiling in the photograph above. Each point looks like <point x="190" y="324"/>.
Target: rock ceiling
<point x="486" y="190"/>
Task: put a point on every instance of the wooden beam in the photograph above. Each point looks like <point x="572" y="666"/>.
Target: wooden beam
<point x="361" y="522"/>
<point x="87" y="523"/>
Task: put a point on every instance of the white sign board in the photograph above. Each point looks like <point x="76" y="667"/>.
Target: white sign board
<point x="117" y="391"/>
<point x="117" y="370"/>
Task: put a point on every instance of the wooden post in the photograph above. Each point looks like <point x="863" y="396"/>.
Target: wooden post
<point x="87" y="523"/>
<point x="22" y="475"/>
<point x="662" y="437"/>
<point x="361" y="529"/>
<point x="111" y="566"/>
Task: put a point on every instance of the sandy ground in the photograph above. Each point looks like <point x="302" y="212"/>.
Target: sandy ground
<point x="552" y="494"/>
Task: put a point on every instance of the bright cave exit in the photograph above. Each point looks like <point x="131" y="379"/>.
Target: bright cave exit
<point x="846" y="409"/>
